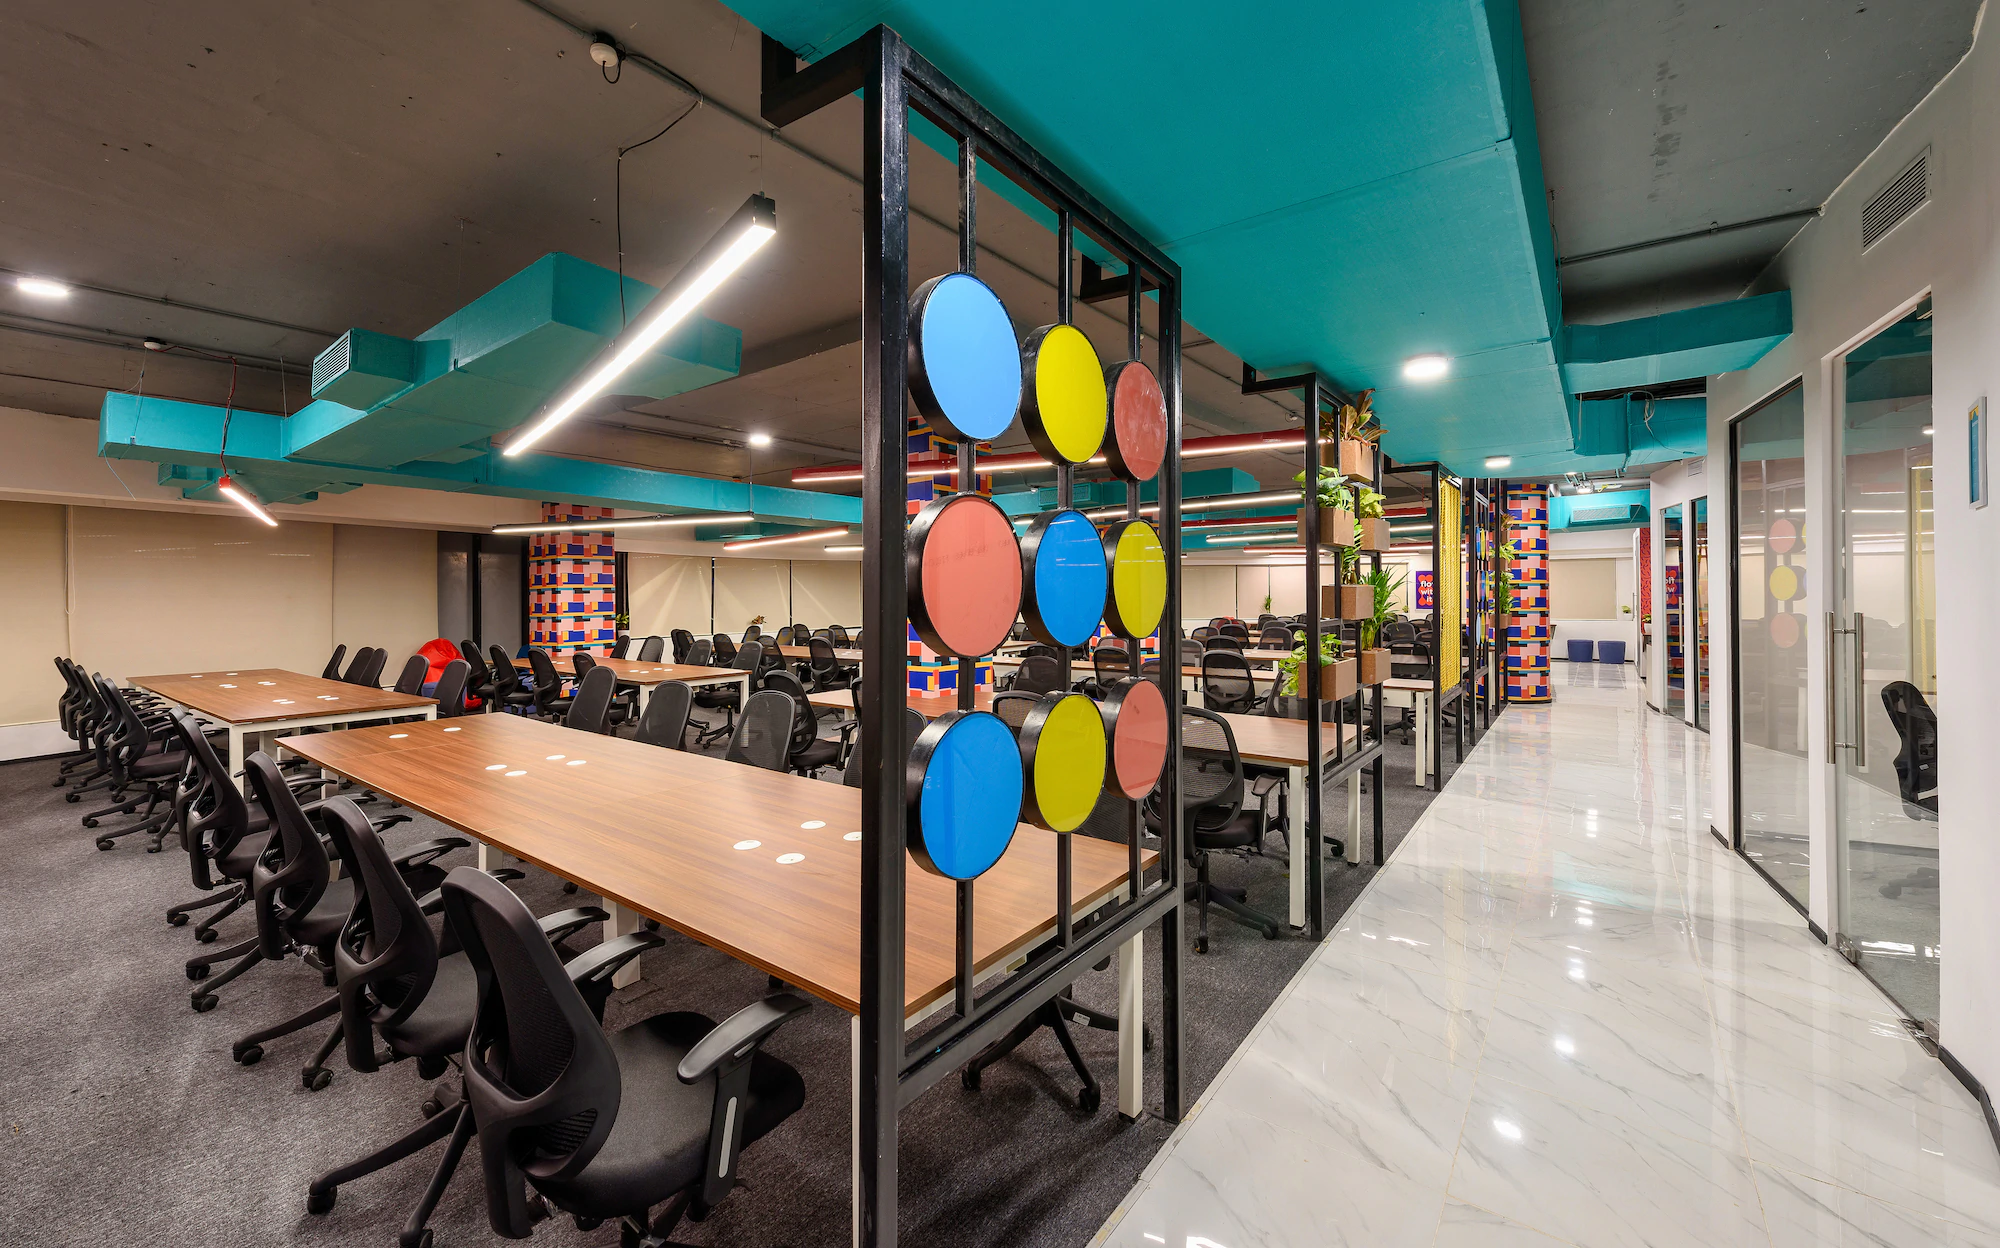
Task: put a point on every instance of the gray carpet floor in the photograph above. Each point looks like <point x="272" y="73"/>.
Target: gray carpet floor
<point x="126" y="1123"/>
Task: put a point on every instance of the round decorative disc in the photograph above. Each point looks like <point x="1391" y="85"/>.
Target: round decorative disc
<point x="1135" y="717"/>
<point x="1138" y="578"/>
<point x="963" y="794"/>
<point x="964" y="573"/>
<point x="1063" y="400"/>
<point x="1063" y="578"/>
<point x="1136" y="443"/>
<point x="965" y="365"/>
<point x="1063" y="752"/>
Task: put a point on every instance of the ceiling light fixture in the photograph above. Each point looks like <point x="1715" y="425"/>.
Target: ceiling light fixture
<point x="631" y="522"/>
<point x="1245" y="541"/>
<point x="1499" y="461"/>
<point x="817" y="535"/>
<point x="843" y="550"/>
<point x="1928" y="431"/>
<point x="1427" y="367"/>
<point x="41" y="288"/>
<point x="241" y="497"/>
<point x="760" y="439"/>
<point x="753" y="225"/>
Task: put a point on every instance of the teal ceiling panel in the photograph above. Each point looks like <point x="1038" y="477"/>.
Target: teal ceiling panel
<point x="1694" y="342"/>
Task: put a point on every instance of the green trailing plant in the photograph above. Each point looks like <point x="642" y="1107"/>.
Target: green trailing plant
<point x="1288" y="667"/>
<point x="1267" y="604"/>
<point x="1385" y="584"/>
<point x="1352" y="421"/>
<point x="1503" y="580"/>
<point x="1333" y="490"/>
<point x="623" y="620"/>
<point x="1367" y="503"/>
<point x="1350" y="565"/>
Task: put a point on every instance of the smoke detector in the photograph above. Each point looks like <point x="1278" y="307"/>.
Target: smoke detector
<point x="605" y="52"/>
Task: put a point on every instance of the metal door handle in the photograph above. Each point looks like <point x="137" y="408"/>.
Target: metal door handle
<point x="1833" y="741"/>
<point x="1860" y="743"/>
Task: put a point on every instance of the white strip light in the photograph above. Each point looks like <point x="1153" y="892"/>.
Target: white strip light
<point x="817" y="535"/>
<point x="1245" y="541"/>
<point x="1220" y="502"/>
<point x="43" y="288"/>
<point x="634" y="522"/>
<point x="754" y="224"/>
<point x="241" y="497"/>
<point x="843" y="550"/>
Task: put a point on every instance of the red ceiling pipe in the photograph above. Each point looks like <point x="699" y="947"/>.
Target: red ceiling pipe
<point x="937" y="466"/>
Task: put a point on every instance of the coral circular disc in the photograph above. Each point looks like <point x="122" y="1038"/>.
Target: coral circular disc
<point x="1063" y="752"/>
<point x="1135" y="713"/>
<point x="963" y="794"/>
<point x="1138" y="578"/>
<point x="1063" y="400"/>
<point x="1063" y="578"/>
<point x="965" y="366"/>
<point x="1785" y="631"/>
<point x="1136" y="444"/>
<point x="964" y="575"/>
<point x="1784" y="536"/>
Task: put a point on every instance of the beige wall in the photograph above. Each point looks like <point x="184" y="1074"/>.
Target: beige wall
<point x="826" y="593"/>
<point x="384" y="590"/>
<point x="32" y="627"/>
<point x="747" y="588"/>
<point x="666" y="592"/>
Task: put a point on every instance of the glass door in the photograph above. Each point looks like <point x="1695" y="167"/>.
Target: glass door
<point x="1673" y="625"/>
<point x="1884" y="668"/>
<point x="1697" y="564"/>
<point x="1768" y="549"/>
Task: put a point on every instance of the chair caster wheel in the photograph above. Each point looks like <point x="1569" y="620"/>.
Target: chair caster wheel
<point x="104" y="842"/>
<point x="315" y="1078"/>
<point x="538" y="1208"/>
<point x="568" y="887"/>
<point x="177" y="920"/>
<point x="970" y="1078"/>
<point x="586" y="1224"/>
<point x="152" y="849"/>
<point x="1201" y="944"/>
<point x="1088" y="1100"/>
<point x="320" y="1200"/>
<point x="202" y="1002"/>
<point x="206" y="936"/>
<point x="430" y="1107"/>
<point x="197" y="971"/>
<point x="1271" y="932"/>
<point x="72" y="797"/>
<point x="249" y="1055"/>
<point x="89" y="822"/>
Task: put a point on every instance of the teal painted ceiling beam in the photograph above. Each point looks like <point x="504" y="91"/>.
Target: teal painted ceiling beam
<point x="1694" y="342"/>
<point x="1611" y="434"/>
<point x="186" y="439"/>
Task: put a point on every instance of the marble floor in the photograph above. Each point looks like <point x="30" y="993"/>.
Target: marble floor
<point x="1565" y="1014"/>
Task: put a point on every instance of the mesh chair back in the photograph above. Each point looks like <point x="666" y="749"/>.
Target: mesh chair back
<point x="357" y="669"/>
<point x="593" y="699"/>
<point x="1040" y="648"/>
<point x="753" y="633"/>
<point x="287" y="884"/>
<point x="683" y="642"/>
<point x="386" y="958"/>
<point x="913" y="727"/>
<point x="1401" y="632"/>
<point x="1039" y="673"/>
<point x="228" y="819"/>
<point x="701" y="652"/>
<point x="1226" y="684"/>
<point x="411" y="680"/>
<point x="581" y="662"/>
<point x="822" y="659"/>
<point x="1202" y="634"/>
<point x="621" y="648"/>
<point x="763" y="736"/>
<point x="1274" y="637"/>
<point x="332" y="671"/>
<point x="477" y="676"/>
<point x="1223" y="641"/>
<point x="805" y="724"/>
<point x="840" y="639"/>
<point x="1239" y="631"/>
<point x="1917" y="754"/>
<point x="666" y="719"/>
<point x="548" y="685"/>
<point x="653" y="649"/>
<point x="1211" y="775"/>
<point x="724" y="648"/>
<point x="749" y="657"/>
<point x="1218" y="621"/>
<point x="540" y="1077"/>
<point x="505" y="679"/>
<point x="1111" y="663"/>
<point x="1012" y="707"/>
<point x="450" y="689"/>
<point x="371" y="676"/>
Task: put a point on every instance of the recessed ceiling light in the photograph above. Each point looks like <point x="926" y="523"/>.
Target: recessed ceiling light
<point x="1928" y="431"/>
<point x="42" y="287"/>
<point x="1499" y="461"/>
<point x="843" y="550"/>
<point x="1426" y="367"/>
<point x="760" y="439"/>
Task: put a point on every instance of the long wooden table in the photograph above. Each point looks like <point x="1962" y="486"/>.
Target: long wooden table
<point x="762" y="865"/>
<point x="256" y="704"/>
<point x="634" y="672"/>
<point x="1278" y="742"/>
<point x="929" y="708"/>
<point x="805" y="652"/>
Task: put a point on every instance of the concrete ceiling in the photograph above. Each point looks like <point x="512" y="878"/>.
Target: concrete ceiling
<point x="1660" y="118"/>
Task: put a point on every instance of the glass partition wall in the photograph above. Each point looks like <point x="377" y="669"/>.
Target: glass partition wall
<point x="1773" y="606"/>
<point x="1673" y="622"/>
<point x="1697" y="576"/>
<point x="1884" y="677"/>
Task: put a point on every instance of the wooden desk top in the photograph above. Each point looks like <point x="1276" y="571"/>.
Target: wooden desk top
<point x="695" y="842"/>
<point x="1407" y="685"/>
<point x="1282" y="742"/>
<point x="805" y="652"/>
<point x="263" y="694"/>
<point x="929" y="708"/>
<point x="633" y="672"/>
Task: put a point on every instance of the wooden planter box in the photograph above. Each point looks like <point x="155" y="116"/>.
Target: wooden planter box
<point x="1374" y="666"/>
<point x="1357" y="459"/>
<point x="1375" y="533"/>
<point x="1336" y="680"/>
<point x="1336" y="526"/>
<point x="1347" y="602"/>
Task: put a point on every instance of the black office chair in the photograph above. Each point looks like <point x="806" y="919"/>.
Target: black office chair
<point x="683" y="642"/>
<point x="332" y="669"/>
<point x="1110" y="663"/>
<point x="1211" y="791"/>
<point x="701" y="653"/>
<point x="1218" y="621"/>
<point x="620" y="646"/>
<point x="624" y="705"/>
<point x="1274" y="637"/>
<point x="416" y="990"/>
<point x="1202" y="635"/>
<point x="754" y="632"/>
<point x="728" y="698"/>
<point x="1226" y="683"/>
<point x="450" y="689"/>
<point x="549" y="702"/>
<point x="808" y="751"/>
<point x="366" y="669"/>
<point x="1223" y="642"/>
<point x="839" y="635"/>
<point x="589" y="710"/>
<point x="723" y="647"/>
<point x="144" y="763"/>
<point x="666" y="719"/>
<point x="479" y="679"/>
<point x="603" y="1126"/>
<point x="223" y="835"/>
<point x="1191" y="652"/>
<point x="653" y="649"/>
<point x="508" y="695"/>
<point x="1038" y="673"/>
<point x="913" y="727"/>
<point x="763" y="733"/>
<point x="1916" y="769"/>
<point x="411" y="679"/>
<point x="826" y="670"/>
<point x="1240" y="632"/>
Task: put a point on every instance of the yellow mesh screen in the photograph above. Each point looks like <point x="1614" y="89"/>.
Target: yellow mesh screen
<point x="1450" y="618"/>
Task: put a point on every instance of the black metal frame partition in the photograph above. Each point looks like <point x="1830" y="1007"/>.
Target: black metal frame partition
<point x="893" y="80"/>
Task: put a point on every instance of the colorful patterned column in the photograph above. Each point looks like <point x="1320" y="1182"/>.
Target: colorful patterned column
<point x="933" y="675"/>
<point x="572" y="585"/>
<point x="1528" y="626"/>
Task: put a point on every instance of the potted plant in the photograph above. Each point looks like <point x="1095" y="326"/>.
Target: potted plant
<point x="1357" y="432"/>
<point x="1331" y="679"/>
<point x="1382" y="586"/>
<point x="1372" y="524"/>
<point x="1335" y="500"/>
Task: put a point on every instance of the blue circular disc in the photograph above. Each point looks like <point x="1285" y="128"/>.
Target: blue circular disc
<point x="965" y="363"/>
<point x="964" y="792"/>
<point x="1063" y="578"/>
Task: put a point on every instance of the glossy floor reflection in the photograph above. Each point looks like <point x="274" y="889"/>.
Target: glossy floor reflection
<point x="1564" y="1013"/>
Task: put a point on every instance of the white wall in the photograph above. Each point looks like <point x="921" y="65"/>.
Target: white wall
<point x="1840" y="297"/>
<point x="1678" y="485"/>
<point x="1613" y="544"/>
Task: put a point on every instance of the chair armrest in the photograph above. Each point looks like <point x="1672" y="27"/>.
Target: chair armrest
<point x="564" y="924"/>
<point x="1263" y="784"/>
<point x="433" y="901"/>
<point x="592" y="970"/>
<point x="424" y="854"/>
<point x="737" y="1037"/>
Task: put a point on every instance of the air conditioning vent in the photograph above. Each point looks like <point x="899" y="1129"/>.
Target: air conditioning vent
<point x="333" y="361"/>
<point x="1910" y="191"/>
<point x="1598" y="515"/>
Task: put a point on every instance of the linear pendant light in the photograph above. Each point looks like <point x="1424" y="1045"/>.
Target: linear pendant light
<point x="816" y="535"/>
<point x="630" y="522"/>
<point x="241" y="498"/>
<point x="754" y="224"/>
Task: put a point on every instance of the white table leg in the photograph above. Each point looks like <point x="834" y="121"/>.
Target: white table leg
<point x="236" y="757"/>
<point x="1422" y="767"/>
<point x="854" y="1125"/>
<point x="1131" y="1025"/>
<point x="622" y="922"/>
<point x="1301" y="837"/>
<point x="1353" y="837"/>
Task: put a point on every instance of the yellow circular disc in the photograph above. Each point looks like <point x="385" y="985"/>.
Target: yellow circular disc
<point x="1069" y="405"/>
<point x="1068" y="762"/>
<point x="1784" y="584"/>
<point x="1138" y="580"/>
